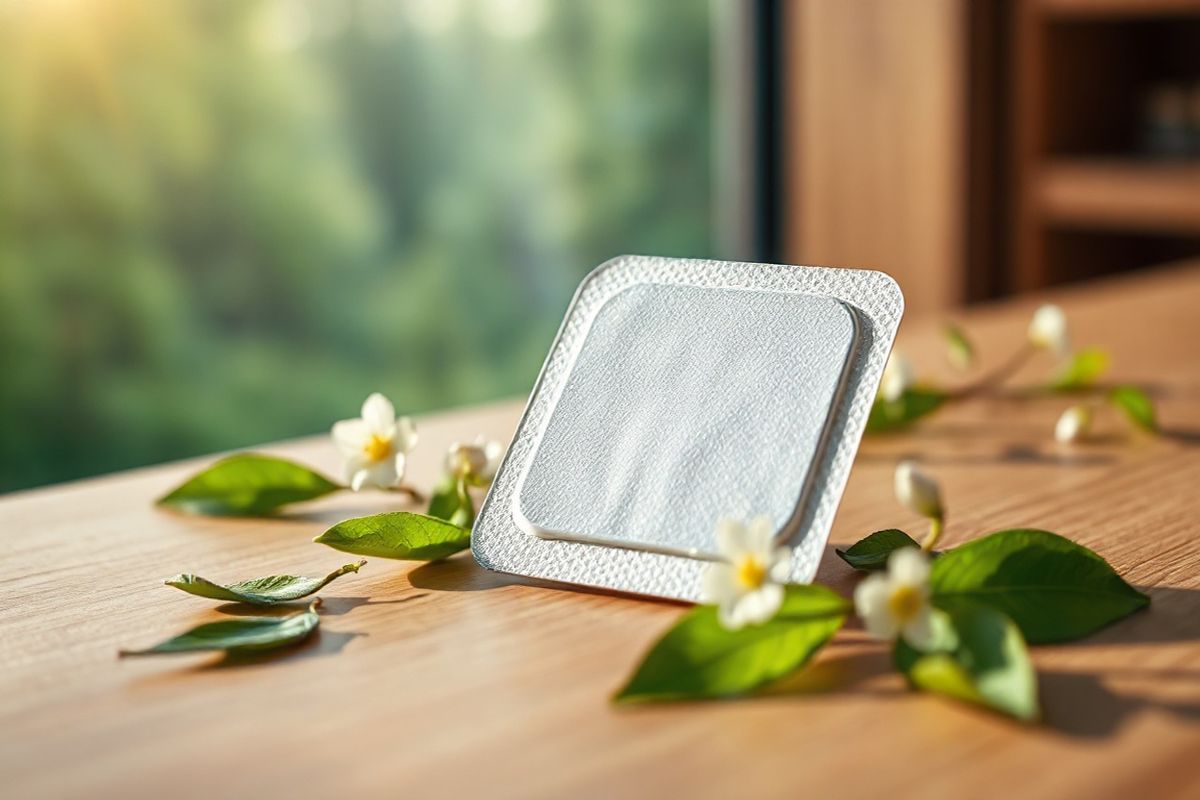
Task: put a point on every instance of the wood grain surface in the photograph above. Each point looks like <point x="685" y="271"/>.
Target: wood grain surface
<point x="446" y="680"/>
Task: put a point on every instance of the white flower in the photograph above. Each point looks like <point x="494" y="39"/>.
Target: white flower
<point x="897" y="377"/>
<point x="1048" y="329"/>
<point x="374" y="446"/>
<point x="476" y="462"/>
<point x="918" y="491"/>
<point x="896" y="603"/>
<point x="746" y="584"/>
<point x="1074" y="424"/>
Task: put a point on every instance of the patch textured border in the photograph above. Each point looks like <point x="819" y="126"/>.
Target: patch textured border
<point x="499" y="544"/>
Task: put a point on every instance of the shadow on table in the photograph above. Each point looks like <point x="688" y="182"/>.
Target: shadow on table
<point x="1013" y="454"/>
<point x="330" y="606"/>
<point x="461" y="574"/>
<point x="1079" y="704"/>
<point x="320" y="643"/>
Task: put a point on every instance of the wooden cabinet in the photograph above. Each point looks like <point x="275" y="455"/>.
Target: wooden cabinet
<point x="975" y="149"/>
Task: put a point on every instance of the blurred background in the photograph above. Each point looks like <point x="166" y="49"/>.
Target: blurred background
<point x="225" y="222"/>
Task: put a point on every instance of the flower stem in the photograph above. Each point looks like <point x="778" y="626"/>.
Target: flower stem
<point x="415" y="495"/>
<point x="936" y="526"/>
<point x="998" y="375"/>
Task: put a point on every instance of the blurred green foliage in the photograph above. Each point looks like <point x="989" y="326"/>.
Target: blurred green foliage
<point x="224" y="222"/>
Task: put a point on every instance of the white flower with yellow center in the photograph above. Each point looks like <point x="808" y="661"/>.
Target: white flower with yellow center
<point x="897" y="377"/>
<point x="476" y="463"/>
<point x="896" y="603"/>
<point x="1048" y="329"/>
<point x="1073" y="425"/>
<point x="374" y="446"/>
<point x="746" y="584"/>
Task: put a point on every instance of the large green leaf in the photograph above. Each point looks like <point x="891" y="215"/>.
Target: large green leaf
<point x="916" y="402"/>
<point x="1084" y="368"/>
<point x="1137" y="406"/>
<point x="988" y="664"/>
<point x="246" y="635"/>
<point x="699" y="658"/>
<point x="260" y="591"/>
<point x="397" y="534"/>
<point x="872" y="553"/>
<point x="1052" y="588"/>
<point x="452" y="502"/>
<point x="248" y="484"/>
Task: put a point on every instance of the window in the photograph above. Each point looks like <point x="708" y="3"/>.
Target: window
<point x="223" y="223"/>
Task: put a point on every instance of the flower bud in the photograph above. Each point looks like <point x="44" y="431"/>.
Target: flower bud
<point x="918" y="491"/>
<point x="476" y="462"/>
<point x="1074" y="424"/>
<point x="1048" y="329"/>
<point x="897" y="377"/>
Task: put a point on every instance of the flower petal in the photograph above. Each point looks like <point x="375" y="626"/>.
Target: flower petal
<point x="718" y="584"/>
<point x="871" y="604"/>
<point x="495" y="454"/>
<point x="379" y="414"/>
<point x="908" y="566"/>
<point x="760" y="535"/>
<point x="383" y="474"/>
<point x="731" y="537"/>
<point x="400" y="464"/>
<point x="780" y="565"/>
<point x="919" y="631"/>
<point x="406" y="435"/>
<point x="359" y="478"/>
<point x="759" y="606"/>
<point x="350" y="436"/>
<point x="729" y="616"/>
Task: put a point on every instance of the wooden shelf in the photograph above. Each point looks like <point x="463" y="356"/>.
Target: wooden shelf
<point x="1119" y="9"/>
<point x="1122" y="195"/>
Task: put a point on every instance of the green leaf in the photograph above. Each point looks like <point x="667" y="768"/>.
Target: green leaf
<point x="872" y="552"/>
<point x="959" y="349"/>
<point x="699" y="658"/>
<point x="260" y="591"/>
<point x="988" y="665"/>
<point x="1137" y="406"/>
<point x="1053" y="589"/>
<point x="916" y="402"/>
<point x="246" y="635"/>
<point x="248" y="484"/>
<point x="1084" y="368"/>
<point x="398" y="534"/>
<point x="452" y="502"/>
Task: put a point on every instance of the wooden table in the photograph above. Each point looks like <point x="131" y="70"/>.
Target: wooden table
<point x="443" y="679"/>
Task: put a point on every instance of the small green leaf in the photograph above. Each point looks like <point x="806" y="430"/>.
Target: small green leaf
<point x="1053" y="589"/>
<point x="398" y="534"/>
<point x="699" y="658"/>
<point x="1084" y="368"/>
<point x="959" y="350"/>
<point x="1137" y="406"/>
<point x="246" y="635"/>
<point x="916" y="402"/>
<point x="452" y="502"/>
<point x="872" y="552"/>
<point x="989" y="665"/>
<point x="248" y="484"/>
<point x="260" y="591"/>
